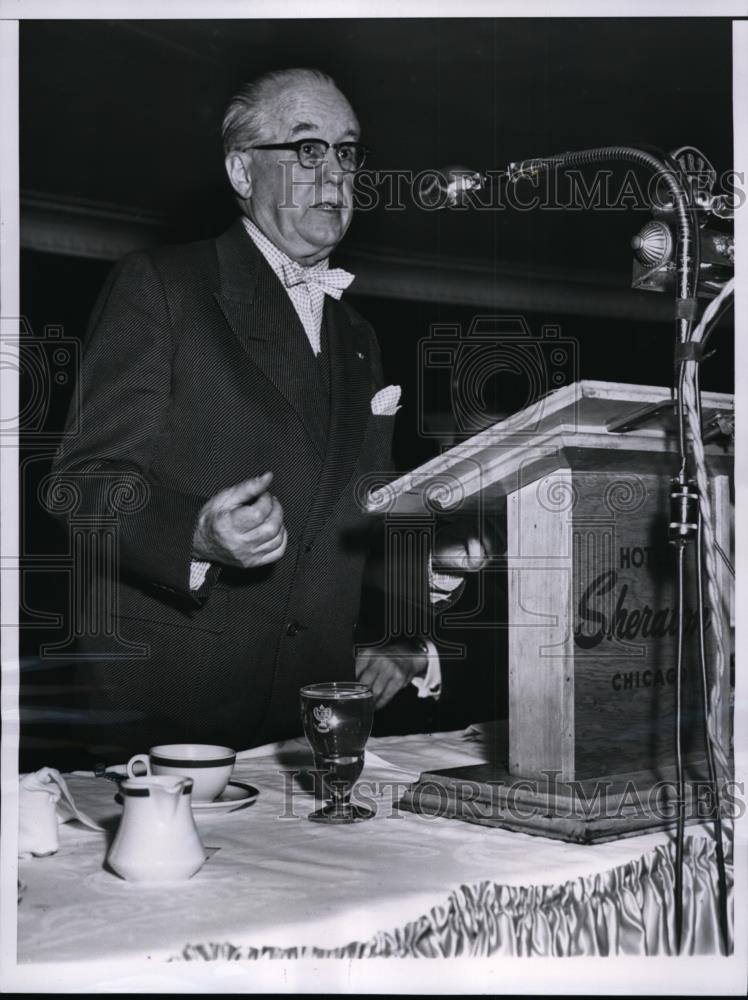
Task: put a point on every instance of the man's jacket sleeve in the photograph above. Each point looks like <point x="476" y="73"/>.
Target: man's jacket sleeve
<point x="124" y="399"/>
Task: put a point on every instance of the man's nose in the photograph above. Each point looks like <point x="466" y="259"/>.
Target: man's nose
<point x="329" y="169"/>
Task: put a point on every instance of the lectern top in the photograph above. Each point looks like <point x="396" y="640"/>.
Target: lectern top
<point x="567" y="428"/>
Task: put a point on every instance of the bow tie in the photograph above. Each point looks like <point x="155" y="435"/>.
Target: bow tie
<point x="333" y="281"/>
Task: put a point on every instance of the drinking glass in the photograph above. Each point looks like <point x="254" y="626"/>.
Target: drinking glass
<point x="337" y="717"/>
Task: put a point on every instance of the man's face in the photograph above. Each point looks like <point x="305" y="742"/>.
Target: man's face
<point x="304" y="211"/>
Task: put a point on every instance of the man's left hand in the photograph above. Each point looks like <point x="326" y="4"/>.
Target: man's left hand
<point x="468" y="554"/>
<point x="388" y="669"/>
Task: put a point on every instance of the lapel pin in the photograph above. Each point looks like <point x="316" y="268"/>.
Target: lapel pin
<point x="360" y="355"/>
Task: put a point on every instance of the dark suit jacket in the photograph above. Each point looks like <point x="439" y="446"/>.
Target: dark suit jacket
<point x="197" y="374"/>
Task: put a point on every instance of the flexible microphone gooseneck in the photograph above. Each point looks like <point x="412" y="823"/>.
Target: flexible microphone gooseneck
<point x="454" y="187"/>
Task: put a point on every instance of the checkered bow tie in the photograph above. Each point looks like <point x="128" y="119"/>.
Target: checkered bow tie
<point x="332" y="281"/>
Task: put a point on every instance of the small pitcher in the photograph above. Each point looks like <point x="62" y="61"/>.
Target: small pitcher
<point x="157" y="840"/>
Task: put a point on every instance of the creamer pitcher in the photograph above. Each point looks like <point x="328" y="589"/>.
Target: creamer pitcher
<point x="157" y="840"/>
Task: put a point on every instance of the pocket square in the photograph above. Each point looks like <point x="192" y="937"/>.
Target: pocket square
<point x="384" y="403"/>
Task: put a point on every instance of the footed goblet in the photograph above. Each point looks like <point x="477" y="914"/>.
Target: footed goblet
<point x="337" y="717"/>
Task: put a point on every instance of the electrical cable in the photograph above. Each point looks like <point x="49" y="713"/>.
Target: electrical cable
<point x="712" y="772"/>
<point x="713" y="589"/>
<point x="679" y="777"/>
<point x="680" y="832"/>
<point x="685" y="331"/>
<point x="691" y="399"/>
<point x="716" y="798"/>
<point x="725" y="559"/>
<point x="712" y="326"/>
<point x="707" y="544"/>
<point x="688" y="406"/>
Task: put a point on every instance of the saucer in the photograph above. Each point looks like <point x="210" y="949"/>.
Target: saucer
<point x="236" y="795"/>
<point x="117" y="770"/>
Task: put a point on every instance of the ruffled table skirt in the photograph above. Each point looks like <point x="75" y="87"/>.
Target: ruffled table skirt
<point x="628" y="910"/>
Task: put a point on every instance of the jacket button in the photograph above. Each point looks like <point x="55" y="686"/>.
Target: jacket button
<point x="292" y="628"/>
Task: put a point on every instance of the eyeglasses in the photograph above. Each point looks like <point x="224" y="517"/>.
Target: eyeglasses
<point x="311" y="153"/>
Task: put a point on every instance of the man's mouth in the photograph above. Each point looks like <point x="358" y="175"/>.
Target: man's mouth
<point x="327" y="206"/>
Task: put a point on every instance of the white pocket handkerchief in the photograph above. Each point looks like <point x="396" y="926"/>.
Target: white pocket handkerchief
<point x="384" y="403"/>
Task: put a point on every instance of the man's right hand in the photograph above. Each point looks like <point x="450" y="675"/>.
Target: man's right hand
<point x="241" y="526"/>
<point x="388" y="669"/>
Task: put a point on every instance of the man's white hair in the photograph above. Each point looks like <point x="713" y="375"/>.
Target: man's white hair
<point x="254" y="107"/>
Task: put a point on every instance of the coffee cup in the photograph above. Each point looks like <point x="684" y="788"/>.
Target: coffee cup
<point x="209" y="766"/>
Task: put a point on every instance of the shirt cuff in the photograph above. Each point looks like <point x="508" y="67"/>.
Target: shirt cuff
<point x="430" y="685"/>
<point x="198" y="572"/>
<point x="441" y="585"/>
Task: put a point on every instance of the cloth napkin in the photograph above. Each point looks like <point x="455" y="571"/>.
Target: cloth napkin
<point x="44" y="802"/>
<point x="384" y="403"/>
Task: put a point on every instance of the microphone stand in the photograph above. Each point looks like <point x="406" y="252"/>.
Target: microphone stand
<point x="686" y="519"/>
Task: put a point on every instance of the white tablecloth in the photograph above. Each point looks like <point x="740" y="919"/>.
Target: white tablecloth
<point x="279" y="880"/>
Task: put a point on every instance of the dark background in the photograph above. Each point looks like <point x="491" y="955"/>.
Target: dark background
<point x="129" y="112"/>
<point x="126" y="116"/>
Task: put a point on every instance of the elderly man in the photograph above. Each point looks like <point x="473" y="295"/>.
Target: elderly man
<point x="229" y="384"/>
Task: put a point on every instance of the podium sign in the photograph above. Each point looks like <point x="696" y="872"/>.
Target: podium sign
<point x="593" y="600"/>
<point x="593" y="621"/>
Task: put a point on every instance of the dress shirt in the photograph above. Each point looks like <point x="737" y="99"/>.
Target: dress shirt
<point x="308" y="299"/>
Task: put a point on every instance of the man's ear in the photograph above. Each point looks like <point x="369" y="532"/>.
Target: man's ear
<point x="238" y="169"/>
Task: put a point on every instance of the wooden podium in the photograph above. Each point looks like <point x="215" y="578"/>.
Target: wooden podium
<point x="592" y="612"/>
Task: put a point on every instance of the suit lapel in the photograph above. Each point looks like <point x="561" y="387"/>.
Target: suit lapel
<point x="350" y="404"/>
<point x="261" y="315"/>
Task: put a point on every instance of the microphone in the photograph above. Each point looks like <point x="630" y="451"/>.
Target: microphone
<point x="533" y="168"/>
<point x="450" y="186"/>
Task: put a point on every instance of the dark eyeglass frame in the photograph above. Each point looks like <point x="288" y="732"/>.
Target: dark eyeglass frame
<point x="336" y="146"/>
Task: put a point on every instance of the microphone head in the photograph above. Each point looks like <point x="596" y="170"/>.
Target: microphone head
<point x="653" y="244"/>
<point x="449" y="187"/>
